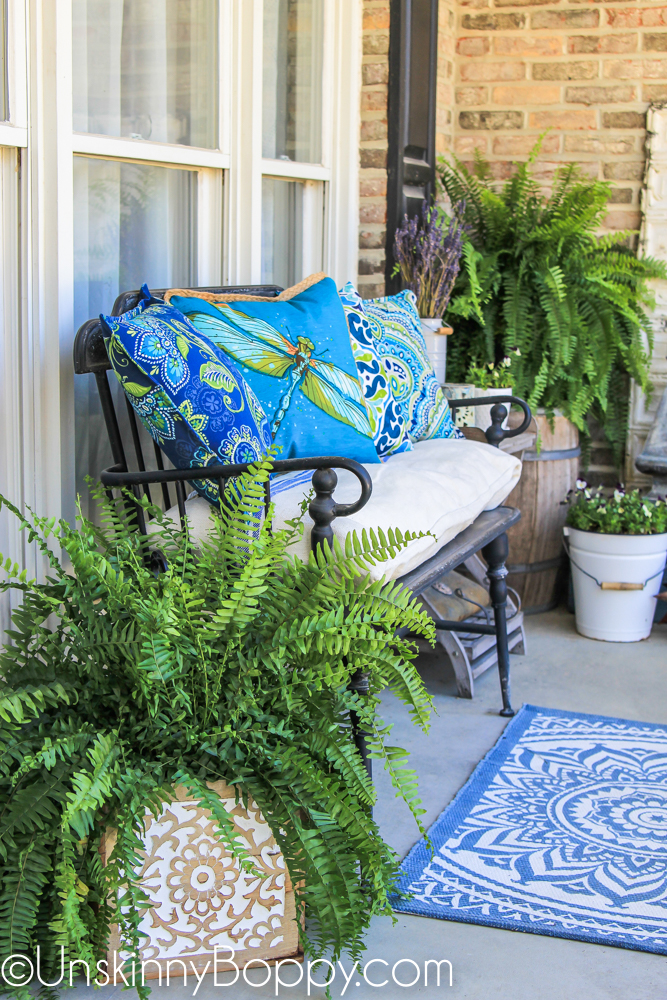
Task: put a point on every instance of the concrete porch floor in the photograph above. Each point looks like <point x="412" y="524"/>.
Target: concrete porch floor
<point x="561" y="670"/>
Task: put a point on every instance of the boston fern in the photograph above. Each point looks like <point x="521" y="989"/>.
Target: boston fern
<point x="535" y="276"/>
<point x="232" y="663"/>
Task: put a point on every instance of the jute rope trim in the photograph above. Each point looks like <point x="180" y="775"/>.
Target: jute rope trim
<point x="285" y="296"/>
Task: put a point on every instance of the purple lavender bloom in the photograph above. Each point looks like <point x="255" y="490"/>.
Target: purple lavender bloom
<point x="428" y="249"/>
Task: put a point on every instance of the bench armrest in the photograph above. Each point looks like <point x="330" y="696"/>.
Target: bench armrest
<point x="496" y="433"/>
<point x="322" y="508"/>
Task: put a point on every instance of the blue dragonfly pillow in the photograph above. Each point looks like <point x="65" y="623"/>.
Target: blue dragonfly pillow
<point x="396" y="328"/>
<point x="390" y="429"/>
<point x="190" y="397"/>
<point x="294" y="351"/>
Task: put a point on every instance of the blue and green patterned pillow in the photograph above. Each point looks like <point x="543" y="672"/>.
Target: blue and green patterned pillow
<point x="390" y="430"/>
<point x="396" y="328"/>
<point x="294" y="351"/>
<point x="190" y="397"/>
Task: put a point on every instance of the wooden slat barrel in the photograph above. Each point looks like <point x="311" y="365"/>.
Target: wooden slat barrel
<point x="536" y="542"/>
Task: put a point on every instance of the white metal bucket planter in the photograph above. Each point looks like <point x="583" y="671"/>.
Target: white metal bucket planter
<point x="616" y="579"/>
<point x="435" y="335"/>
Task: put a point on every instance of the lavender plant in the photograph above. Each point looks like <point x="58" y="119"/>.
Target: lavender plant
<point x="428" y="249"/>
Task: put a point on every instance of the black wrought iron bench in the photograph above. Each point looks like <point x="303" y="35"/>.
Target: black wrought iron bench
<point x="487" y="534"/>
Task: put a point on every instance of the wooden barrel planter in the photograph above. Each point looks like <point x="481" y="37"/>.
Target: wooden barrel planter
<point x="536" y="557"/>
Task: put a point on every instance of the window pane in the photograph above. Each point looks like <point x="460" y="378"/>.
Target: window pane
<point x="282" y="232"/>
<point x="292" y="100"/>
<point x="146" y="69"/>
<point x="133" y="223"/>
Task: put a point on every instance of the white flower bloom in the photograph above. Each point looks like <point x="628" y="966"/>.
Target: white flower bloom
<point x="581" y="484"/>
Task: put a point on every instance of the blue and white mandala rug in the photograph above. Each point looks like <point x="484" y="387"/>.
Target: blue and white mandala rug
<point x="561" y="830"/>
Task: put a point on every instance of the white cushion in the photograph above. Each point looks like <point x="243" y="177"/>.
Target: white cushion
<point x="440" y="486"/>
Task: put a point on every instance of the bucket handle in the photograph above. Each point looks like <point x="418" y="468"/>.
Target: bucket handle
<point x="610" y="584"/>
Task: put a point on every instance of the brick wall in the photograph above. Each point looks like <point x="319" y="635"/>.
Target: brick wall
<point x="373" y="138"/>
<point x="585" y="71"/>
<point x="445" y="111"/>
<point x="373" y="148"/>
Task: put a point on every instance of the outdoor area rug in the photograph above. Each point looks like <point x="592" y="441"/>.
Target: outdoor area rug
<point x="561" y="830"/>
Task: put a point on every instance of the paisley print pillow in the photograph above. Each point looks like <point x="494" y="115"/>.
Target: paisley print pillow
<point x="189" y="395"/>
<point x="390" y="430"/>
<point x="396" y="328"/>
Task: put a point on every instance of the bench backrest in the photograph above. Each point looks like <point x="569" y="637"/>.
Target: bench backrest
<point x="90" y="358"/>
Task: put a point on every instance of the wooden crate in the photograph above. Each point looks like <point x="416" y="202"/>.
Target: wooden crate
<point x="201" y="898"/>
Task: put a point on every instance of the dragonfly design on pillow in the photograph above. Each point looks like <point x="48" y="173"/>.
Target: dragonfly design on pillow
<point x="259" y="346"/>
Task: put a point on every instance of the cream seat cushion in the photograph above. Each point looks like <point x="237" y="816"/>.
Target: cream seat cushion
<point x="440" y="486"/>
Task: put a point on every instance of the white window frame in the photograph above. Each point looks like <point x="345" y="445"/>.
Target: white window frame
<point x="337" y="176"/>
<point x="14" y="131"/>
<point x="229" y="235"/>
<point x="14" y="392"/>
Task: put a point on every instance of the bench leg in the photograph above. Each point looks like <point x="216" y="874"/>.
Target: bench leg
<point x="496" y="553"/>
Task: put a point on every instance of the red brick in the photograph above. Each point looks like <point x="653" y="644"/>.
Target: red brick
<point x="627" y="18"/>
<point x="374" y="73"/>
<point x="624" y="69"/>
<point x="587" y="144"/>
<point x="525" y="45"/>
<point x="563" y="119"/>
<point x="372" y="212"/>
<point x="604" y="43"/>
<point x="372" y="239"/>
<point x="633" y="69"/>
<point x="624" y="119"/>
<point x="654" y="92"/>
<point x="371" y="265"/>
<point x="373" y="158"/>
<point x="521" y="145"/>
<point x="655" y="69"/>
<point x="376" y="17"/>
<point x="374" y="100"/>
<point x="654" y="18"/>
<point x="623" y="171"/>
<point x="565" y="71"/>
<point x="655" y="43"/>
<point x="565" y="19"/>
<point x="492" y="22"/>
<point x="600" y="95"/>
<point x="375" y="44"/>
<point x="523" y="96"/>
<point x="490" y="120"/>
<point x="375" y="187"/>
<point x="589" y="168"/>
<point x="374" y="129"/>
<point x="522" y="3"/>
<point x="480" y="71"/>
<point x="373" y="291"/>
<point x="465" y="145"/>
<point x="622" y="220"/>
<point x="467" y="96"/>
<point x="475" y="46"/>
<point x="621" y="196"/>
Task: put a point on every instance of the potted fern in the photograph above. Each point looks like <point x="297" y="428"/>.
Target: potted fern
<point x="536" y="276"/>
<point x="130" y="677"/>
